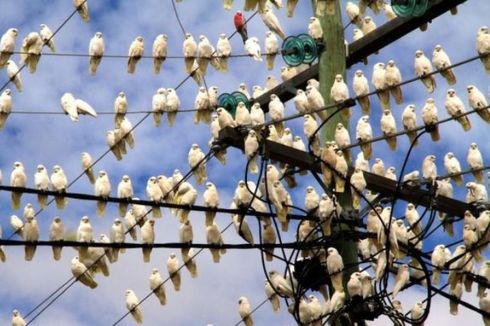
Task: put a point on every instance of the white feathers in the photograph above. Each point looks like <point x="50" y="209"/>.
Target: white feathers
<point x="74" y="107"/>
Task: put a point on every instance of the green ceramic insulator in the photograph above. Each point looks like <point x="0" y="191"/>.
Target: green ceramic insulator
<point x="228" y="102"/>
<point x="240" y="97"/>
<point x="293" y="52"/>
<point x="403" y="8"/>
<point x="310" y="48"/>
<point x="420" y="8"/>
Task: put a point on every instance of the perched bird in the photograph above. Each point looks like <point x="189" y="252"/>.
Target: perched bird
<point x="74" y="107"/>
<point x="59" y="183"/>
<point x="17" y="319"/>
<point x="272" y="296"/>
<point x="393" y="80"/>
<point x="271" y="47"/>
<point x="87" y="163"/>
<point x="358" y="185"/>
<point x="13" y="74"/>
<point x="360" y="86"/>
<point x="133" y="305"/>
<point x="272" y="22"/>
<point x="417" y="312"/>
<point x="310" y="128"/>
<point x="402" y="278"/>
<point x="82" y="7"/>
<point x="205" y="51"/>
<point x="31" y="234"/>
<point x="455" y="108"/>
<point x="423" y="67"/>
<point x="197" y="163"/>
<point x="364" y="133"/>
<point x="441" y="61"/>
<point x="117" y="235"/>
<point x="41" y="182"/>
<point x="483" y="46"/>
<point x="124" y="191"/>
<point x="173" y="269"/>
<point x="252" y="47"/>
<point x="47" y="37"/>
<point x="484" y="272"/>
<point x="245" y="311"/>
<point x="223" y="52"/>
<point x="189" y="49"/>
<point x="268" y="236"/>
<point x="409" y="121"/>
<point x="315" y="28"/>
<point x="120" y="109"/>
<point x="251" y="147"/>
<point x="56" y="233"/>
<point x="159" y="52"/>
<point x="388" y="11"/>
<point x="18" y="178"/>
<point x="368" y="25"/>
<point x="135" y="53"/>
<point x="478" y="102"/>
<point x="157" y="286"/>
<point x="354" y="13"/>
<point x="430" y="118"/>
<point x="186" y="236"/>
<point x="102" y="189"/>
<point x="457" y="292"/>
<point x="213" y="237"/>
<point x="148" y="238"/>
<point x="452" y="166"/>
<point x="335" y="266"/>
<point x="7" y="45"/>
<point x="290" y="6"/>
<point x="379" y="82"/>
<point x="211" y="200"/>
<point x="241" y="25"/>
<point x="96" y="51"/>
<point x="158" y="103"/>
<point x="173" y="105"/>
<point x="155" y="194"/>
<point x="81" y="274"/>
<point x="388" y="127"/>
<point x="354" y="285"/>
<point x="340" y="174"/>
<point x="339" y="93"/>
<point x="440" y="255"/>
<point x="190" y="263"/>
<point x="475" y="161"/>
<point x="31" y="49"/>
<point x="85" y="231"/>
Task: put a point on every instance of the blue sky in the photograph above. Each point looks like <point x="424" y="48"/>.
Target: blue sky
<point x="53" y="139"/>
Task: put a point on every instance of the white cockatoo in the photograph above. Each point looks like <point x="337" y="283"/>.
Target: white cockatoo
<point x="335" y="266"/>
<point x="388" y="127"/>
<point x="120" y="109"/>
<point x="225" y="119"/>
<point x="57" y="233"/>
<point x="124" y="191"/>
<point x="423" y="67"/>
<point x="223" y="52"/>
<point x="59" y="183"/>
<point x="173" y="269"/>
<point x="5" y="106"/>
<point x="81" y="274"/>
<point x="315" y="29"/>
<point x="252" y="47"/>
<point x="276" y="111"/>
<point x="441" y="62"/>
<point x="85" y="231"/>
<point x="271" y="48"/>
<point x="157" y="286"/>
<point x="74" y="107"/>
<point x="401" y="279"/>
<point x="133" y="306"/>
<point x="358" y="185"/>
<point x="429" y="168"/>
<point x="242" y="115"/>
<point x="154" y="193"/>
<point x="189" y="49"/>
<point x="118" y="236"/>
<point x="87" y="163"/>
<point x="364" y="133"/>
<point x="360" y="86"/>
<point x="196" y="160"/>
<point x="47" y="37"/>
<point x="158" y="105"/>
<point x="440" y="255"/>
<point x="393" y="78"/>
<point x="455" y="107"/>
<point x="42" y="183"/>
<point x="430" y="118"/>
<point x="13" y="73"/>
<point x="31" y="234"/>
<point x="96" y="51"/>
<point x="148" y="238"/>
<point x="478" y="102"/>
<point x="409" y="121"/>
<point x="483" y="46"/>
<point x="272" y="296"/>
<point x="475" y="161"/>
<point x="251" y="147"/>
<point x="354" y="285"/>
<point x="32" y="46"/>
<point x="339" y="93"/>
<point x="272" y="22"/>
<point x="173" y="105"/>
<point x="354" y="14"/>
<point x="204" y="52"/>
<point x="245" y="311"/>
<point x="7" y="45"/>
<point x="213" y="237"/>
<point x="159" y="52"/>
<point x="102" y="189"/>
<point x="379" y="82"/>
<point x="368" y="25"/>
<point x="82" y="8"/>
<point x="186" y="236"/>
<point x="452" y="165"/>
<point x="136" y="50"/>
<point x="211" y="201"/>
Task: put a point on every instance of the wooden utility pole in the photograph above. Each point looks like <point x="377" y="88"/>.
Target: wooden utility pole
<point x="332" y="62"/>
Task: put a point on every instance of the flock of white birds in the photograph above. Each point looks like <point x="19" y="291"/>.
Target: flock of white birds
<point x="386" y="80"/>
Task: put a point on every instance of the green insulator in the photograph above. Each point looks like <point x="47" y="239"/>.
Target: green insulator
<point x="228" y="102"/>
<point x="420" y="8"/>
<point x="240" y="97"/>
<point x="310" y="48"/>
<point x="403" y="8"/>
<point x="293" y="52"/>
